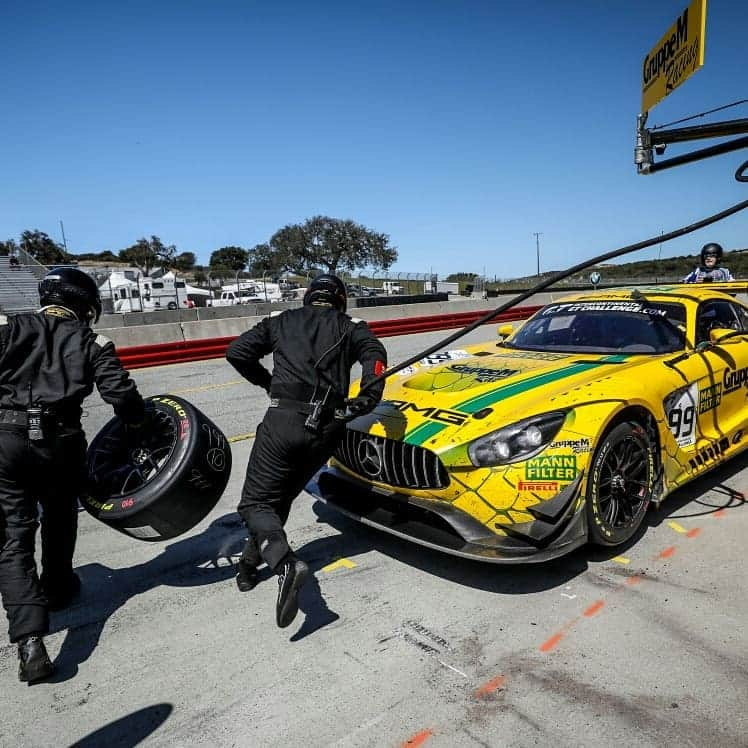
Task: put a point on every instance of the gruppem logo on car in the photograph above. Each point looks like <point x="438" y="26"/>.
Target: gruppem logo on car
<point x="734" y="379"/>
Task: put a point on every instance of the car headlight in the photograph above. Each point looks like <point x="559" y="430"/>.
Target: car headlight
<point x="518" y="441"/>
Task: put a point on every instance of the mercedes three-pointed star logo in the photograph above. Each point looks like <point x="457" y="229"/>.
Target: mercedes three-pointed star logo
<point x="370" y="457"/>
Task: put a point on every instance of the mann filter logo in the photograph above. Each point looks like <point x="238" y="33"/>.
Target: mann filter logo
<point x="560" y="467"/>
<point x="442" y="415"/>
<point x="735" y="379"/>
<point x="679" y="54"/>
<point x="483" y="374"/>
<point x="710" y="398"/>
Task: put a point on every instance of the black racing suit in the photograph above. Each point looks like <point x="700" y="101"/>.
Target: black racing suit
<point x="51" y="360"/>
<point x="313" y="349"/>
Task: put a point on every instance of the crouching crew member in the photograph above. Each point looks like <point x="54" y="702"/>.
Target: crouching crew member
<point x="49" y="362"/>
<point x="314" y="348"/>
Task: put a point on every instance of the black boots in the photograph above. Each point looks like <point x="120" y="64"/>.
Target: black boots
<point x="246" y="577"/>
<point x="34" y="663"/>
<point x="291" y="576"/>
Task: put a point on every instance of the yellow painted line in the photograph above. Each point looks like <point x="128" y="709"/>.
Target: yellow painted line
<point x="621" y="560"/>
<point x="208" y="387"/>
<point x="339" y="564"/>
<point x="168" y="366"/>
<point x="678" y="528"/>
<point x="241" y="437"/>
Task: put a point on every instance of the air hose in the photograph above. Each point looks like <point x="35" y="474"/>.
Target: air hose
<point x="740" y="176"/>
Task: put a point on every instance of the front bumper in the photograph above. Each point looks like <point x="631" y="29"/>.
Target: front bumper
<point x="559" y="527"/>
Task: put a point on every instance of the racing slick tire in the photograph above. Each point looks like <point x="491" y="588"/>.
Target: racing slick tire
<point x="163" y="483"/>
<point x="620" y="484"/>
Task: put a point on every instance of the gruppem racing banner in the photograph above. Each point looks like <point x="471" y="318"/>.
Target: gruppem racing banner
<point x="678" y="55"/>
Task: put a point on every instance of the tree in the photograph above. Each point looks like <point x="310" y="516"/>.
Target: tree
<point x="462" y="277"/>
<point x="332" y="244"/>
<point x="261" y="260"/>
<point x="185" y="261"/>
<point x="106" y="256"/>
<point x="231" y="258"/>
<point x="201" y="274"/>
<point x="146" y="254"/>
<point x="43" y="249"/>
<point x="8" y="248"/>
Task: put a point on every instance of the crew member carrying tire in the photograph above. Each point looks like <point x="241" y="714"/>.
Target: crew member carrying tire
<point x="49" y="362"/>
<point x="314" y="348"/>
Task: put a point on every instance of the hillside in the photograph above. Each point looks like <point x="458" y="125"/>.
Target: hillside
<point x="656" y="271"/>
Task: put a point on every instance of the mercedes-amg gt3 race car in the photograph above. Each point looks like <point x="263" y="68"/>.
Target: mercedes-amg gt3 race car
<point x="524" y="448"/>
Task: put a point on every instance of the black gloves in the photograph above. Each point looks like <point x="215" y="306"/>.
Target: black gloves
<point x="135" y="432"/>
<point x="359" y="406"/>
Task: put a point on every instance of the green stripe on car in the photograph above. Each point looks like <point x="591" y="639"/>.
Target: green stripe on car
<point x="425" y="431"/>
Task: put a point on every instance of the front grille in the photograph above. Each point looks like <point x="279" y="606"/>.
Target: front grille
<point x="392" y="462"/>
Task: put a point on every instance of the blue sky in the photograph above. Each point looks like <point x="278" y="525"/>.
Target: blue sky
<point x="458" y="128"/>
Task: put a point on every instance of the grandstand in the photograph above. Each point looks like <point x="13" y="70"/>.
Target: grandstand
<point x="19" y="286"/>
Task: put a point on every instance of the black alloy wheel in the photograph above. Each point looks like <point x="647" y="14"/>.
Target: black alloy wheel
<point x="619" y="485"/>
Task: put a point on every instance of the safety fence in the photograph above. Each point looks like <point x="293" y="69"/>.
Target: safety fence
<point x="158" y="354"/>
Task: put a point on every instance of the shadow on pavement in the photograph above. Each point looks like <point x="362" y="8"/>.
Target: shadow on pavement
<point x="356" y="538"/>
<point x="127" y="731"/>
<point x="194" y="561"/>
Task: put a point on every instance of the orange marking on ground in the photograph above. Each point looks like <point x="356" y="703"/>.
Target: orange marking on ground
<point x="418" y="739"/>
<point x="551" y="643"/>
<point x="635" y="579"/>
<point x="667" y="552"/>
<point x="487" y="689"/>
<point x="719" y="513"/>
<point x="693" y="533"/>
<point x="594" y="608"/>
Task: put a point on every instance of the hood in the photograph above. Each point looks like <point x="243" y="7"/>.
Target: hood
<point x="440" y="406"/>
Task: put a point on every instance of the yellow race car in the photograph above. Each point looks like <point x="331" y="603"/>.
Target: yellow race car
<point x="524" y="448"/>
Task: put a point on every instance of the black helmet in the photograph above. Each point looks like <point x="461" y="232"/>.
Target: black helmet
<point x="327" y="289"/>
<point x="73" y="289"/>
<point x="711" y="249"/>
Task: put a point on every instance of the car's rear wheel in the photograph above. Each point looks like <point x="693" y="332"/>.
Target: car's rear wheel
<point x="619" y="486"/>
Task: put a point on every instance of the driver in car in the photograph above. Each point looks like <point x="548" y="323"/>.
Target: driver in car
<point x="709" y="270"/>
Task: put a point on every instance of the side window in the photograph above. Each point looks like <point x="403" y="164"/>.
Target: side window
<point x="742" y="314"/>
<point x="715" y="314"/>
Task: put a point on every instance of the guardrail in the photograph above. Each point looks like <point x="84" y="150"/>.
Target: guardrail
<point x="158" y="354"/>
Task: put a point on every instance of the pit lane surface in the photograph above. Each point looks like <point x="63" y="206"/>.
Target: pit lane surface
<point x="395" y="644"/>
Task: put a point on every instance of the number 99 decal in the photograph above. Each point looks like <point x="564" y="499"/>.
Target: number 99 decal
<point x="680" y="411"/>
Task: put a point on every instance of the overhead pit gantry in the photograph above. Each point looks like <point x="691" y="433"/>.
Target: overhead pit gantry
<point x="679" y="54"/>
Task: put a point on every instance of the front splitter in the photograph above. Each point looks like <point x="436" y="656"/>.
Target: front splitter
<point x="441" y="526"/>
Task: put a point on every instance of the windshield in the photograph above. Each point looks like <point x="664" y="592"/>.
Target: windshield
<point x="604" y="327"/>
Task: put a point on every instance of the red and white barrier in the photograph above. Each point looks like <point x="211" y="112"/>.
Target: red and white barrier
<point x="158" y="354"/>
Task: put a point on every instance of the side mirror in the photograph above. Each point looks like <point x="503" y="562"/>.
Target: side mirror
<point x="717" y="334"/>
<point x="505" y="331"/>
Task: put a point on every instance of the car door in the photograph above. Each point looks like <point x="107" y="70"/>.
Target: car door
<point x="722" y="394"/>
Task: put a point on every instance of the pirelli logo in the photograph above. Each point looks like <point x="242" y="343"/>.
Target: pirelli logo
<point x="539" y="485"/>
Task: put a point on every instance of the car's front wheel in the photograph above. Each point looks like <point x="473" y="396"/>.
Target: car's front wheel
<point x="619" y="486"/>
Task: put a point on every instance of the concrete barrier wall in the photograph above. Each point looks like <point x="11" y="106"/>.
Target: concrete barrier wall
<point x="194" y="324"/>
